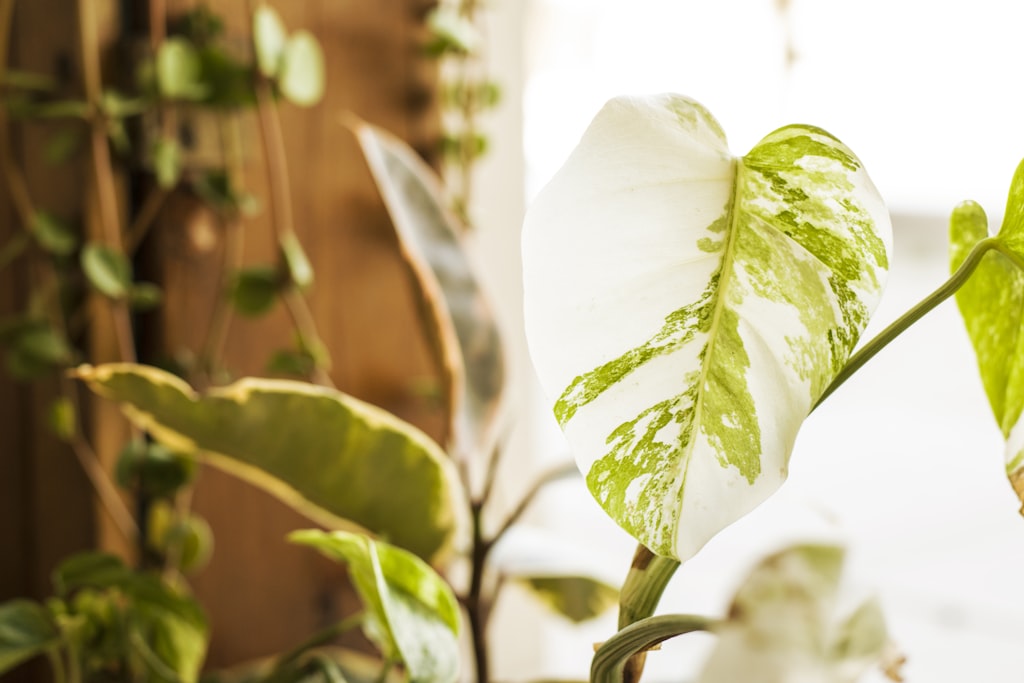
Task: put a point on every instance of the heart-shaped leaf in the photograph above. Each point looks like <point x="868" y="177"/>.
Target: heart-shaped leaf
<point x="108" y="270"/>
<point x="269" y="38"/>
<point x="26" y="630"/>
<point x="412" y="614"/>
<point x="782" y="626"/>
<point x="685" y="308"/>
<point x="179" y="70"/>
<point x="433" y="245"/>
<point x="992" y="305"/>
<point x="338" y="460"/>
<point x="302" y="77"/>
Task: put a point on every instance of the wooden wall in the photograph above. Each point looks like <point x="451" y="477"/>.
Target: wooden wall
<point x="261" y="594"/>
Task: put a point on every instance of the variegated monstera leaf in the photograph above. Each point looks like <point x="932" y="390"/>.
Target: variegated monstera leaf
<point x="685" y="308"/>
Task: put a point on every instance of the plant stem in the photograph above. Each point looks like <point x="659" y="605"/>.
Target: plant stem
<point x="57" y="664"/>
<point x="610" y="660"/>
<point x="554" y="474"/>
<point x="897" y="328"/>
<point x="282" y="218"/>
<point x="648" y="576"/>
<point x="319" y="638"/>
<point x="25" y="208"/>
<point x="144" y="219"/>
<point x="476" y="606"/>
<point x="103" y="176"/>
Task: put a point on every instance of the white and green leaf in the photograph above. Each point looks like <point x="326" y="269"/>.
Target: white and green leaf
<point x="434" y="245"/>
<point x="411" y="613"/>
<point x="992" y="305"/>
<point x="342" y="462"/>
<point x="783" y="625"/>
<point x="685" y="308"/>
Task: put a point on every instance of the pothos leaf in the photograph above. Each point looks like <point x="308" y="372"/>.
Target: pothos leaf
<point x="269" y="39"/>
<point x="302" y="70"/>
<point x="433" y="243"/>
<point x="26" y="630"/>
<point x="109" y="271"/>
<point x="992" y="305"/>
<point x="783" y="628"/>
<point x="577" y="598"/>
<point x="412" y="614"/>
<point x="340" y="461"/>
<point x="685" y="308"/>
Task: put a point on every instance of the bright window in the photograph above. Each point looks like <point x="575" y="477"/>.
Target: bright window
<point x="904" y="463"/>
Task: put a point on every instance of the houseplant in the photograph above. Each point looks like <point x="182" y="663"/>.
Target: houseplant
<point x="800" y="173"/>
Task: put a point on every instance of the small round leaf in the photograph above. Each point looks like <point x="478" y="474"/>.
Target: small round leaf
<point x="302" y="71"/>
<point x="269" y="37"/>
<point x="107" y="270"/>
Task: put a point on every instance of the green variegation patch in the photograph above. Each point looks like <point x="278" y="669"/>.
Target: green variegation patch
<point x="992" y="305"/>
<point x="686" y="308"/>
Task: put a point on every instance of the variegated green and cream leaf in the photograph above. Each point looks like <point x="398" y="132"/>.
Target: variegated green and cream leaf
<point x="340" y="461"/>
<point x="992" y="305"/>
<point x="685" y="308"/>
<point x="782" y="625"/>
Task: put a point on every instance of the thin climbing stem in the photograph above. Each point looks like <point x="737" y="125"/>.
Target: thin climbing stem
<point x="145" y="218"/>
<point x="103" y="175"/>
<point x="554" y="474"/>
<point x="282" y="220"/>
<point x="946" y="290"/>
<point x="43" y="273"/>
<point x="321" y="637"/>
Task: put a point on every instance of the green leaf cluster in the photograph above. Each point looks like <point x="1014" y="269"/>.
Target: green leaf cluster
<point x="109" y="623"/>
<point x="294" y="63"/>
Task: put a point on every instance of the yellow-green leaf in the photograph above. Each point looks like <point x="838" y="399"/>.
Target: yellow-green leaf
<point x="269" y="37"/>
<point x="576" y="597"/>
<point x="992" y="305"/>
<point x="412" y="614"/>
<point x="339" y="460"/>
<point x="302" y="70"/>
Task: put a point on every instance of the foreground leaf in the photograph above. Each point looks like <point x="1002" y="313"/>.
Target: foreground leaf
<point x="412" y="614"/>
<point x="686" y="308"/>
<point x="992" y="305"/>
<point x="432" y="242"/>
<point x="26" y="630"/>
<point x="336" y="459"/>
<point x="782" y="628"/>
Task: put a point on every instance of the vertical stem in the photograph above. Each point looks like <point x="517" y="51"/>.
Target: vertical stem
<point x="282" y="217"/>
<point x="648" y="576"/>
<point x="476" y="606"/>
<point x="44" y="272"/>
<point x="103" y="176"/>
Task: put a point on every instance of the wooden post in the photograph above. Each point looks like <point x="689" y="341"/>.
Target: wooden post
<point x="262" y="594"/>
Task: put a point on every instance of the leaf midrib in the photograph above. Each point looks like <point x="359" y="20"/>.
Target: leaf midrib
<point x="724" y="281"/>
